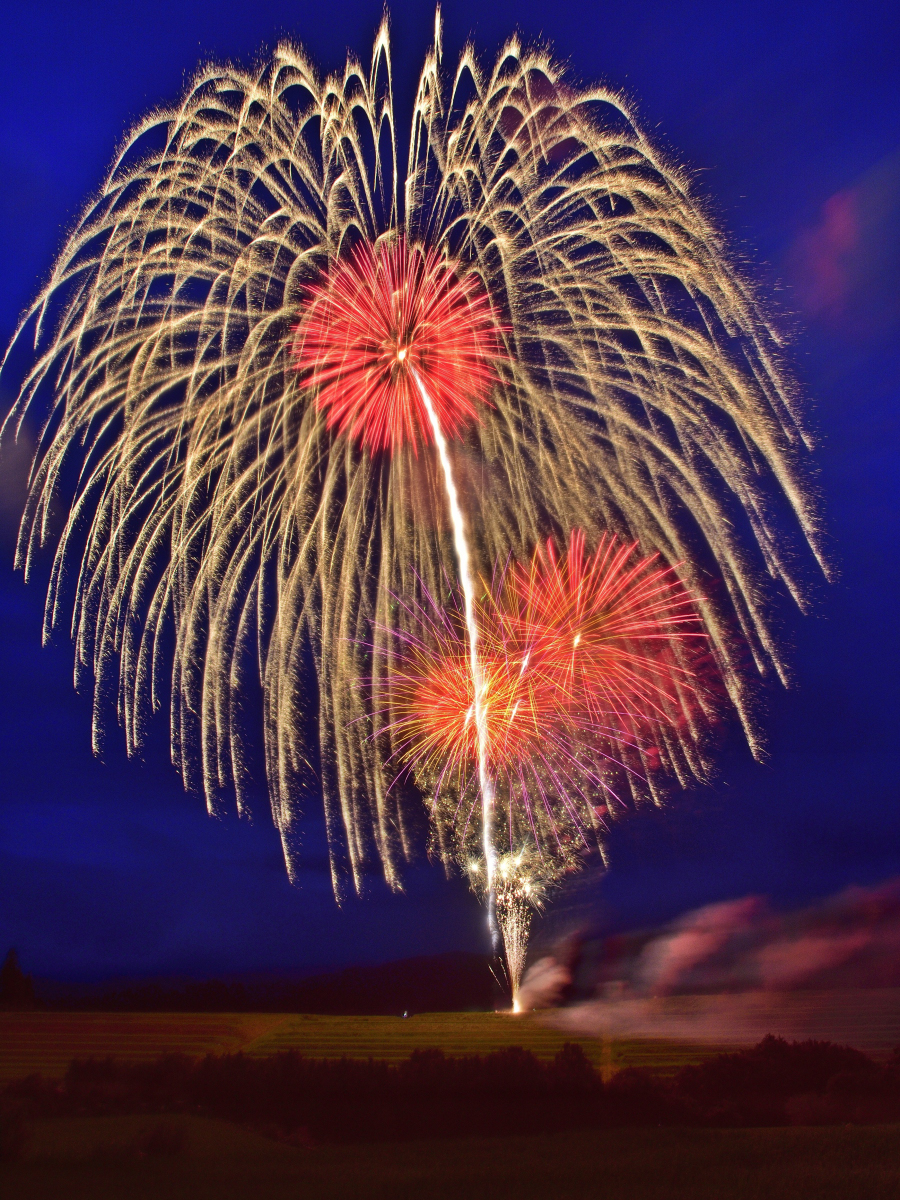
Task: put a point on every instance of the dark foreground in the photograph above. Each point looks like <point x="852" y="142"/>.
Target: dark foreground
<point x="431" y="1095"/>
<point x="145" y="1158"/>
<point x="802" y="1120"/>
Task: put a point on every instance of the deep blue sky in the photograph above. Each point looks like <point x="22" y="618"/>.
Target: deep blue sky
<point x="789" y="114"/>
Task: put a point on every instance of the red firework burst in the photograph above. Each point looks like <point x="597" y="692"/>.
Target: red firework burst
<point x="582" y="657"/>
<point x="380" y="319"/>
<point x="614" y="631"/>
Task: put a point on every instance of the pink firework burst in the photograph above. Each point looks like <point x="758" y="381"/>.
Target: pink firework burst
<point x="383" y="317"/>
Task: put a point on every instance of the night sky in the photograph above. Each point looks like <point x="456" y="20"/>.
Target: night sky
<point x="789" y="116"/>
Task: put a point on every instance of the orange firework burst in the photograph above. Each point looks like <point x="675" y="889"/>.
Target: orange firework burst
<point x="586" y="659"/>
<point x="382" y="317"/>
<point x="438" y="698"/>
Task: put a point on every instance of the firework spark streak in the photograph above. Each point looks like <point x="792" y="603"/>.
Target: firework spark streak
<point x="486" y="786"/>
<point x="227" y="516"/>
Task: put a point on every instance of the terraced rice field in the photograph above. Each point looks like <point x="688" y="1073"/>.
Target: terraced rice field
<point x="395" y="1038"/>
<point x="47" y="1042"/>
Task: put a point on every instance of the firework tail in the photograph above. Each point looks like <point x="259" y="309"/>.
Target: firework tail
<point x="465" y="578"/>
<point x="515" y="922"/>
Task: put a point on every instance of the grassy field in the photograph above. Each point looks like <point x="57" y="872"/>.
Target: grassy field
<point x="95" y="1158"/>
<point x="462" y="1033"/>
<point x="196" y="1158"/>
<point x="47" y="1042"/>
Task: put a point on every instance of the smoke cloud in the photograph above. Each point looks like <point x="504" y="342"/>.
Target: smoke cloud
<point x="735" y="971"/>
<point x="543" y="984"/>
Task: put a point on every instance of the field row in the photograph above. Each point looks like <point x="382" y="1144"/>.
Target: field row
<point x="663" y="1034"/>
<point x="47" y="1042"/>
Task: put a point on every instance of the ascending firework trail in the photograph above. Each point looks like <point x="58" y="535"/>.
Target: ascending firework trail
<point x="244" y="355"/>
<point x="397" y="345"/>
<point x="486" y="787"/>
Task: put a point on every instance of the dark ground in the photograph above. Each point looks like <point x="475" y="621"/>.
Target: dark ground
<point x="97" y="1158"/>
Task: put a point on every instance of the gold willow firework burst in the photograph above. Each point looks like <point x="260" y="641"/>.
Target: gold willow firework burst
<point x="222" y="529"/>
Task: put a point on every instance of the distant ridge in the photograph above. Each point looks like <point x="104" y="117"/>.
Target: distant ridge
<point x="453" y="982"/>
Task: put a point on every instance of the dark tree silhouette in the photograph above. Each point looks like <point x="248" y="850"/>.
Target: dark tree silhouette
<point x="16" y="988"/>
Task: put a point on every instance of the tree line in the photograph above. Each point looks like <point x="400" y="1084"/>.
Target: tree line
<point x="507" y="1092"/>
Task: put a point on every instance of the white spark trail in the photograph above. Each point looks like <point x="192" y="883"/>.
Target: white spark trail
<point x="481" y="727"/>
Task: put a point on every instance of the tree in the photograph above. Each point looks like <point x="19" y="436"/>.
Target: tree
<point x="16" y="988"/>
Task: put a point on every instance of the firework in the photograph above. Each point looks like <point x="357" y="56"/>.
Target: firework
<point x="229" y="521"/>
<point x="616" y="635"/>
<point x="519" y="893"/>
<point x="384" y="325"/>
<point x="396" y="344"/>
<point x="587" y="662"/>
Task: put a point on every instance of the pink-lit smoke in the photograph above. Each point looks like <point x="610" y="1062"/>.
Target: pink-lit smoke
<point x="735" y="971"/>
